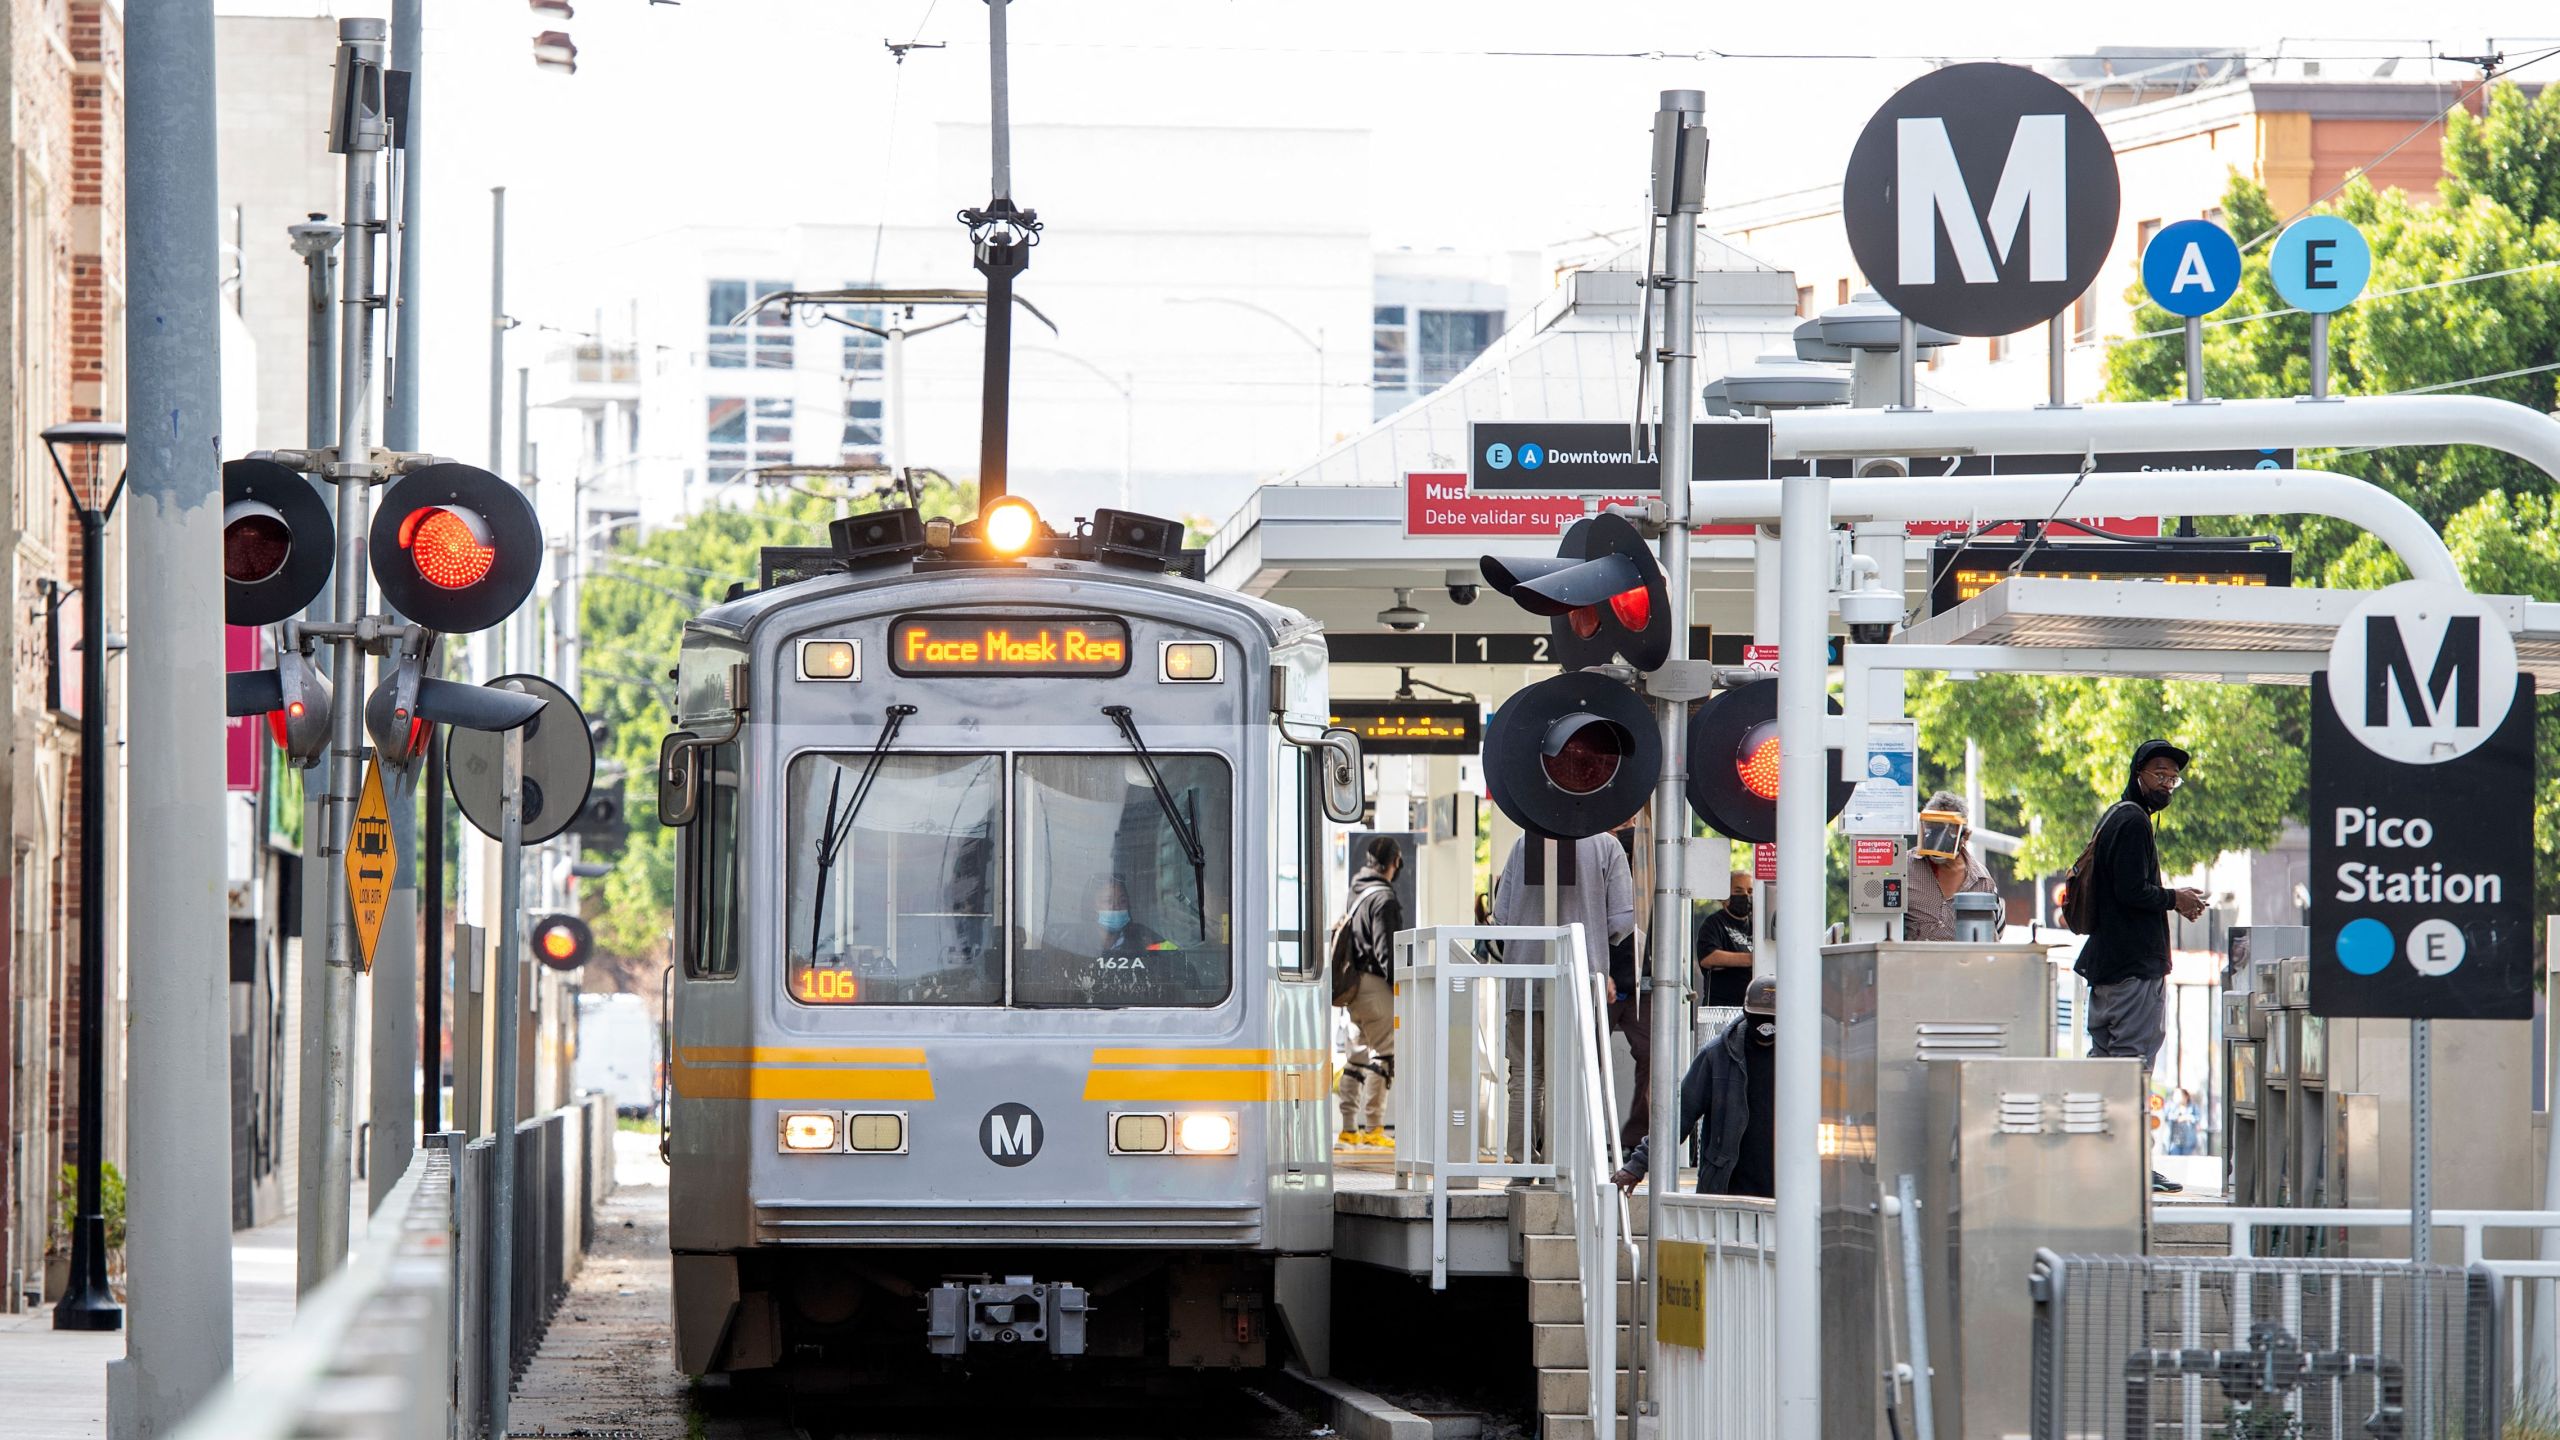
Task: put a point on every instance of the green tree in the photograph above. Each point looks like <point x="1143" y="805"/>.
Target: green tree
<point x="632" y="612"/>
<point x="2464" y="298"/>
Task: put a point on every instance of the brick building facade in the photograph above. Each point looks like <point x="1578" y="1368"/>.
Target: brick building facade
<point x="62" y="321"/>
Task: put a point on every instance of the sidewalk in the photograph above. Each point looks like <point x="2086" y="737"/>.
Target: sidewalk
<point x="53" y="1383"/>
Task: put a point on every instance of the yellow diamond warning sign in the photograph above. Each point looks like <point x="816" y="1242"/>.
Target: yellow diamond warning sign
<point x="371" y="860"/>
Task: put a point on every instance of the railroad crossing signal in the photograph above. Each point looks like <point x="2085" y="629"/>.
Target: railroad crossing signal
<point x="455" y="548"/>
<point x="1576" y="754"/>
<point x="278" y="542"/>
<point x="1733" y="763"/>
<point x="563" y="942"/>
<point x="372" y="859"/>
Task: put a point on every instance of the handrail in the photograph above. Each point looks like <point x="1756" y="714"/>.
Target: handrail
<point x="1597" y="1217"/>
<point x="2241" y="1221"/>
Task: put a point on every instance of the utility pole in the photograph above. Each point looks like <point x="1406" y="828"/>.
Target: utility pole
<point x="178" y="1079"/>
<point x="316" y="241"/>
<point x="393" y="1118"/>
<point x="1679" y="194"/>
<point x="358" y="131"/>
<point x="1002" y="236"/>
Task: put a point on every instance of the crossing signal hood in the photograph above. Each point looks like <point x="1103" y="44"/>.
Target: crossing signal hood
<point x="1571" y="756"/>
<point x="1603" y="594"/>
<point x="278" y="542"/>
<point x="562" y="942"/>
<point x="1733" y="763"/>
<point x="455" y="548"/>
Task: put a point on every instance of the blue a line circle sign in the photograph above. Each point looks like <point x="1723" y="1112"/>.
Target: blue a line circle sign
<point x="2191" y="268"/>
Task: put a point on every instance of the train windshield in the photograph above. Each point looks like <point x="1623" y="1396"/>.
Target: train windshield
<point x="1110" y="908"/>
<point x="896" y="891"/>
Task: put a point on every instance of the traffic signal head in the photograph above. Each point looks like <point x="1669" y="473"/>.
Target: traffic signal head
<point x="562" y="942"/>
<point x="1571" y="756"/>
<point x="278" y="542"/>
<point x="601" y="824"/>
<point x="1604" y="593"/>
<point x="1733" y="763"/>
<point x="454" y="547"/>
<point x="294" y="696"/>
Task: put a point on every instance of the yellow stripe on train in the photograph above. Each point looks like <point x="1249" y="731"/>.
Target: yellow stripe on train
<point x="696" y="1082"/>
<point x="1172" y="1074"/>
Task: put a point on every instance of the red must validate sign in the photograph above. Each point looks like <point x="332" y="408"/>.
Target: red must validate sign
<point x="1438" y="503"/>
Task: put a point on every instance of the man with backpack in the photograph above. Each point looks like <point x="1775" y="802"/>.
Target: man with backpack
<point x="2116" y="898"/>
<point x="1363" y="960"/>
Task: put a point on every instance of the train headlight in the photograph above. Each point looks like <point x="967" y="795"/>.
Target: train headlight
<point x="1188" y="661"/>
<point x="882" y="1132"/>
<point x="830" y="660"/>
<point x="1008" y="525"/>
<point x="1143" y="1134"/>
<point x="809" y="1130"/>
<point x="1205" y="1132"/>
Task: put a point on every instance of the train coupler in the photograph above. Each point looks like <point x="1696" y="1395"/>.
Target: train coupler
<point x="1017" y="1311"/>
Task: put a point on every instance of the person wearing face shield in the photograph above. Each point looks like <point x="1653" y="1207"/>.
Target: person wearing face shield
<point x="1942" y="867"/>
<point x="2126" y="956"/>
<point x="1729" y="1102"/>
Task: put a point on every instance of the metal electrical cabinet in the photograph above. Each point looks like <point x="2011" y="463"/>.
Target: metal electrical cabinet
<point x="1890" y="1011"/>
<point x="2030" y="1154"/>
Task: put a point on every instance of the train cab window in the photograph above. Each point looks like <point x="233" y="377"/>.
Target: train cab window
<point x="896" y="891"/>
<point x="709" y="871"/>
<point x="1111" y="910"/>
<point x="1292" y="954"/>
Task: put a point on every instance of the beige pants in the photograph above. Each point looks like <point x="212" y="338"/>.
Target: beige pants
<point x="1528" y="1102"/>
<point x="1363" y="1086"/>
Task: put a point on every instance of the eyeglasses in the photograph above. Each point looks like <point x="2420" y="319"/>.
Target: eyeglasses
<point x="2168" y="779"/>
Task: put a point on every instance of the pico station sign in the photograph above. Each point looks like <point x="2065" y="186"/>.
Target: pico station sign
<point x="2422" y="786"/>
<point x="1009" y="645"/>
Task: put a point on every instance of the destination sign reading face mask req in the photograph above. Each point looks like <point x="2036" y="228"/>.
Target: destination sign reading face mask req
<point x="1009" y="645"/>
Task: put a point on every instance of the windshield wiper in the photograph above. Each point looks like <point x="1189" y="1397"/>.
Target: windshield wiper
<point x="831" y="834"/>
<point x="1183" y="829"/>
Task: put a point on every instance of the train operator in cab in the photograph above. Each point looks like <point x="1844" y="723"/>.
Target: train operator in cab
<point x="1116" y="932"/>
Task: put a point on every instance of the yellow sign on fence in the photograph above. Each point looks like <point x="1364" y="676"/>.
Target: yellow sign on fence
<point x="372" y="859"/>
<point x="1680" y="1305"/>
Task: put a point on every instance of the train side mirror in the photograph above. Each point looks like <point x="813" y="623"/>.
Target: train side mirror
<point x="1345" y="797"/>
<point x="679" y="777"/>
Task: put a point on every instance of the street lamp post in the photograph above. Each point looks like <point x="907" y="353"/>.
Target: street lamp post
<point x="88" y="1302"/>
<point x="1314" y="342"/>
<point x="1127" y="386"/>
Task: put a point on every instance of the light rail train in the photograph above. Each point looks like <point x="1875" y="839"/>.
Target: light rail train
<point x="998" y="1014"/>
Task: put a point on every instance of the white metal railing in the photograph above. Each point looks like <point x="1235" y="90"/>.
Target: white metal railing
<point x="1454" y="1053"/>
<point x="1727" y="1388"/>
<point x="2529" y="1296"/>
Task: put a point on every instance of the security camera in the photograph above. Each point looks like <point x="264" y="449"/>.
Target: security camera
<point x="1462" y="587"/>
<point x="1871" y="615"/>
<point x="1401" y="615"/>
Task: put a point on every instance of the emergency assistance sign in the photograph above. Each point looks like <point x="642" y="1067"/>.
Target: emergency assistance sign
<point x="2421" y="814"/>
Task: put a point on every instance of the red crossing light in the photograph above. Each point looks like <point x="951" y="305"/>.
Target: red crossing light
<point x="450" y="547"/>
<point x="1733" y="763"/>
<point x="454" y="548"/>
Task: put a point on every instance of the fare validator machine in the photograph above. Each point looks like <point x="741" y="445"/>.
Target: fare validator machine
<point x="1938" y="1065"/>
<point x="2291" y="1137"/>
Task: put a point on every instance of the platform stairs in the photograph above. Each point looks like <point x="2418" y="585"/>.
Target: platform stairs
<point x="1474" y="1003"/>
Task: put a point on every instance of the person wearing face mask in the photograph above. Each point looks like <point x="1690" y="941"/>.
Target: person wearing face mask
<point x="1120" y="935"/>
<point x="2126" y="957"/>
<point x="1942" y="867"/>
<point x="1724" y="945"/>
<point x="1729" y="1101"/>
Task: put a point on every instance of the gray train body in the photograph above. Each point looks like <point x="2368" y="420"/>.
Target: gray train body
<point x="1006" y="1221"/>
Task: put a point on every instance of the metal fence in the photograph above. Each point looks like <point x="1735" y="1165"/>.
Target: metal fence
<point x="369" y="1353"/>
<point x="559" y="1159"/>
<point x="1466" y="1025"/>
<point x="1725" y="1388"/>
<point x="2238" y="1348"/>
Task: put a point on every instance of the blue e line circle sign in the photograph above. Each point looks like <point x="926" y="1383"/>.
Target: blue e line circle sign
<point x="2320" y="264"/>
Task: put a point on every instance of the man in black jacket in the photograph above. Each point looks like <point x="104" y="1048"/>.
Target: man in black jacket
<point x="1369" y="927"/>
<point x="2126" y="957"/>
<point x="1728" y="1100"/>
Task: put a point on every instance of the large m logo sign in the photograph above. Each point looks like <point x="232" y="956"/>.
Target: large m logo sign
<point x="1929" y="188"/>
<point x="2388" y="671"/>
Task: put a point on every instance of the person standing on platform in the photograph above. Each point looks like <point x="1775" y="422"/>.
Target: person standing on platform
<point x="1942" y="867"/>
<point x="2126" y="908"/>
<point x="1595" y="890"/>
<point x="1729" y="1101"/>
<point x="1724" y="946"/>
<point x="1631" y="1014"/>
<point x="1363" y="960"/>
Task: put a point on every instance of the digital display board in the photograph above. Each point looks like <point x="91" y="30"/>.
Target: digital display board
<point x="1413" y="727"/>
<point x="1959" y="572"/>
<point x="984" y="644"/>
